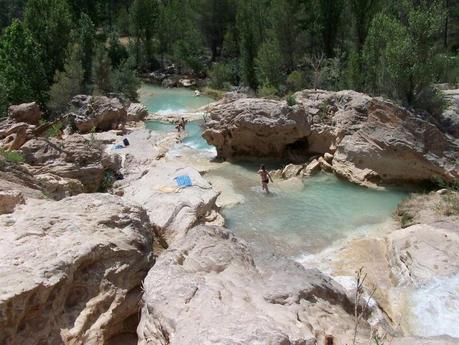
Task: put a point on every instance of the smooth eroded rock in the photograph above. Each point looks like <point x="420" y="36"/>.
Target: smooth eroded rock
<point x="27" y="112"/>
<point x="71" y="271"/>
<point x="208" y="288"/>
<point x="257" y="128"/>
<point x="98" y="113"/>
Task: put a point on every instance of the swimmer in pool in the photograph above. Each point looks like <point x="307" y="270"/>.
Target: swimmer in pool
<point x="265" y="178"/>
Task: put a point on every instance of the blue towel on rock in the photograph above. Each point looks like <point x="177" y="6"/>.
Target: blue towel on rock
<point x="183" y="181"/>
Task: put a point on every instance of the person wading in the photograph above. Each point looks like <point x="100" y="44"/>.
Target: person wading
<point x="265" y="178"/>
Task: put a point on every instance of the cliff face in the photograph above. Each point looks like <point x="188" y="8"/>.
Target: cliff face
<point x="372" y="140"/>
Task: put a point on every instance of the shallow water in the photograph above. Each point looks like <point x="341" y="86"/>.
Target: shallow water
<point x="170" y="101"/>
<point x="303" y="217"/>
<point x="192" y="139"/>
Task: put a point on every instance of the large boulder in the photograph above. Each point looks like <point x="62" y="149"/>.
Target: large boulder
<point x="258" y="128"/>
<point x="27" y="112"/>
<point x="372" y="140"/>
<point x="72" y="270"/>
<point x="97" y="113"/>
<point x="208" y="288"/>
<point x="137" y="112"/>
<point x="74" y="158"/>
<point x="175" y="210"/>
<point x="376" y="141"/>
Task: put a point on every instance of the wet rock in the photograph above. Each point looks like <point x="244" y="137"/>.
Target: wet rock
<point x="98" y="113"/>
<point x="27" y="112"/>
<point x="9" y="200"/>
<point x="292" y="170"/>
<point x="72" y="271"/>
<point x="328" y="157"/>
<point x="137" y="112"/>
<point x="312" y="168"/>
<point x="186" y="82"/>
<point x="169" y="82"/>
<point x="324" y="165"/>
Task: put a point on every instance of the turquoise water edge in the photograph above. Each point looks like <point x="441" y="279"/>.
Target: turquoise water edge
<point x="302" y="219"/>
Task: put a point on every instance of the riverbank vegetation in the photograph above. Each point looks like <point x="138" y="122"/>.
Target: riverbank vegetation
<point x="53" y="49"/>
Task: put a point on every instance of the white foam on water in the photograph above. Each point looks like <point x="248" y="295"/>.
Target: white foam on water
<point x="171" y="111"/>
<point x="435" y="308"/>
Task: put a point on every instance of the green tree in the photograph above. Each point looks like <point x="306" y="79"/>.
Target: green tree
<point x="22" y="73"/>
<point x="11" y="9"/>
<point x="143" y="17"/>
<point x="69" y="82"/>
<point x="188" y="49"/>
<point x="251" y="25"/>
<point x="102" y="71"/>
<point x="50" y="23"/>
<point x="330" y="12"/>
<point x="399" y="52"/>
<point x="125" y="80"/>
<point x="268" y="64"/>
<point x="116" y="51"/>
<point x="86" y="40"/>
<point x="215" y="17"/>
<point x="283" y="12"/>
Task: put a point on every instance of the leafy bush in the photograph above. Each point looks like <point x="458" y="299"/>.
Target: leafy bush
<point x="291" y="100"/>
<point x="296" y="81"/>
<point x="125" y="80"/>
<point x="108" y="180"/>
<point x="12" y="156"/>
<point x="432" y="101"/>
<point x="54" y="131"/>
<point x="220" y="74"/>
<point x="267" y="90"/>
<point x="447" y="68"/>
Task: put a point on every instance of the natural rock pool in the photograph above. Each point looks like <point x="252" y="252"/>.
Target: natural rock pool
<point x="170" y="101"/>
<point x="299" y="217"/>
<point x="303" y="219"/>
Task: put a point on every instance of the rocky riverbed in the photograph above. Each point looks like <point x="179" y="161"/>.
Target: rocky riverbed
<point x="147" y="262"/>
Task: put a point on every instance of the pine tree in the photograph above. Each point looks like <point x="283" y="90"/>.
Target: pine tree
<point x="86" y="39"/>
<point x="269" y="64"/>
<point x="102" y="71"/>
<point x="215" y="17"/>
<point x="143" y="17"/>
<point x="251" y="25"/>
<point x="69" y="82"/>
<point x="283" y="12"/>
<point x="22" y="71"/>
<point x="50" y="23"/>
<point x="330" y="12"/>
<point x="125" y="80"/>
<point x="399" y="52"/>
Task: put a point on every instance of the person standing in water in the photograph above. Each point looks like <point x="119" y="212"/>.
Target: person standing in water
<point x="265" y="178"/>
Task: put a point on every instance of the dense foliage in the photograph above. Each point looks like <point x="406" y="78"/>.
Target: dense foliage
<point x="398" y="49"/>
